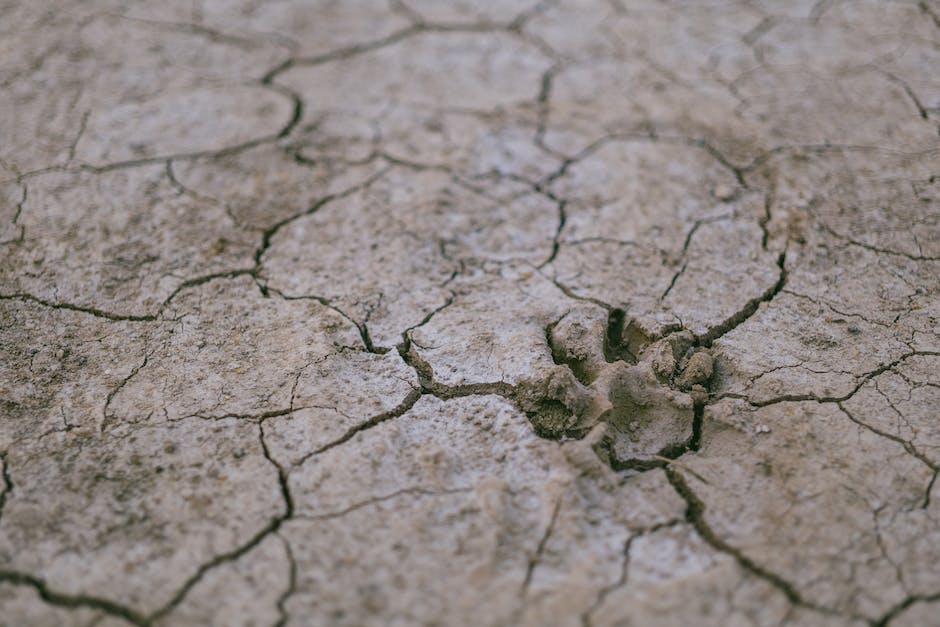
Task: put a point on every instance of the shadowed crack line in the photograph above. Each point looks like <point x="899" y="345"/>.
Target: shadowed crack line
<point x="789" y="398"/>
<point x="447" y="303"/>
<point x="742" y="315"/>
<point x="272" y="230"/>
<point x="906" y="445"/>
<point x="423" y="371"/>
<point x="540" y="549"/>
<point x="878" y="249"/>
<point x="419" y="491"/>
<point x="408" y="32"/>
<point x="59" y="599"/>
<point x="406" y="404"/>
<point x="543" y="104"/>
<point x="770" y="197"/>
<point x="654" y="138"/>
<point x="427" y="387"/>
<point x="570" y="293"/>
<point x="93" y="311"/>
<point x="7" y="482"/>
<point x="297" y="107"/>
<point x="895" y="611"/>
<point x="190" y="28"/>
<point x="695" y="516"/>
<point x="556" y="240"/>
<point x="443" y="391"/>
<point x="291" y="583"/>
<point x="341" y="53"/>
<point x="183" y="190"/>
<point x="186" y="156"/>
<point x="236" y="553"/>
<point x="78" y="136"/>
<point x="106" y="418"/>
<point x="274" y="413"/>
<point x="925" y="8"/>
<point x="921" y="109"/>
<point x="603" y="593"/>
<point x="929" y="489"/>
<point x="18" y="211"/>
<point x="361" y="327"/>
<point x="672" y="283"/>
<point x="298" y="112"/>
<point x="202" y="280"/>
<point x="846" y="314"/>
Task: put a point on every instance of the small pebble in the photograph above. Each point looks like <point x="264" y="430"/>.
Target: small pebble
<point x="723" y="192"/>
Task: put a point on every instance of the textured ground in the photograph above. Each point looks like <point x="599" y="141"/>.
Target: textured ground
<point x="414" y="312"/>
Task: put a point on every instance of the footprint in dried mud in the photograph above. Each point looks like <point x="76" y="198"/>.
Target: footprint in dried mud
<point x="645" y="393"/>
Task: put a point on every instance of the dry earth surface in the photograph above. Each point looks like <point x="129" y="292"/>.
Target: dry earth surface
<point x="414" y="312"/>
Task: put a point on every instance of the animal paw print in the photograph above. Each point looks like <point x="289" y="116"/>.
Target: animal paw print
<point x="648" y="392"/>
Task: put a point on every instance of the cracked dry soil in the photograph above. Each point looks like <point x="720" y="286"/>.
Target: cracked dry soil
<point x="426" y="312"/>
